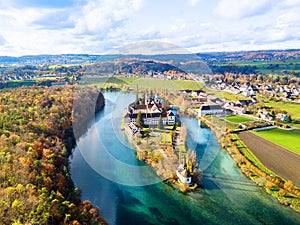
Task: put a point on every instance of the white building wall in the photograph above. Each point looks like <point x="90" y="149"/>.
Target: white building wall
<point x="210" y="112"/>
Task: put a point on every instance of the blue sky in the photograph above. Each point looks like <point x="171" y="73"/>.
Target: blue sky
<point x="99" y="26"/>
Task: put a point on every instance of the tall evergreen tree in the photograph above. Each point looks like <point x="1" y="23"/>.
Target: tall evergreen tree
<point x="160" y="123"/>
<point x="137" y="98"/>
<point x="139" y="120"/>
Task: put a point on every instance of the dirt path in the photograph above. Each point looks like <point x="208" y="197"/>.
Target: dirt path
<point x="278" y="159"/>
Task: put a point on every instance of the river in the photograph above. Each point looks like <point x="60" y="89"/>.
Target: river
<point x="125" y="197"/>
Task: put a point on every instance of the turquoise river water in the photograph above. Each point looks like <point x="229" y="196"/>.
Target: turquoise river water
<point x="226" y="195"/>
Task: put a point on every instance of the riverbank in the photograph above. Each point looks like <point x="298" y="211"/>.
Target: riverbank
<point x="164" y="150"/>
<point x="284" y="191"/>
<point x="37" y="138"/>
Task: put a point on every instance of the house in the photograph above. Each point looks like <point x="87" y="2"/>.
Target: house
<point x="217" y="101"/>
<point x="151" y="111"/>
<point x="246" y="93"/>
<point x="210" y="110"/>
<point x="197" y="93"/>
<point x="282" y="117"/>
<point x="186" y="91"/>
<point x="265" y="115"/>
<point x="132" y="129"/>
<point x="183" y="174"/>
<point x="242" y="103"/>
<point x="199" y="100"/>
<point x="235" y="109"/>
<point x="254" y="100"/>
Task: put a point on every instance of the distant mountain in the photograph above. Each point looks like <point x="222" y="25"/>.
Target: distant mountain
<point x="131" y="65"/>
<point x="251" y="55"/>
<point x="149" y="65"/>
<point x="200" y="63"/>
<point x="168" y="58"/>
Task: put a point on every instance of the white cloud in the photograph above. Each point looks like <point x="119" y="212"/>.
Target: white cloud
<point x="102" y="15"/>
<point x="288" y="19"/>
<point x="2" y="40"/>
<point x="178" y="27"/>
<point x="193" y="2"/>
<point x="150" y="47"/>
<point x="38" y="30"/>
<point x="95" y="26"/>
<point x="291" y="2"/>
<point x="237" y="9"/>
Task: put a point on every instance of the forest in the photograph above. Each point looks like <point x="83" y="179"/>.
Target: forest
<point x="36" y="139"/>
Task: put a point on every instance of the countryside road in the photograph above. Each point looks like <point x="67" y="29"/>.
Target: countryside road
<point x="281" y="161"/>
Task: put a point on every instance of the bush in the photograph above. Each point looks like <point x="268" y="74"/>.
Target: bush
<point x="281" y="192"/>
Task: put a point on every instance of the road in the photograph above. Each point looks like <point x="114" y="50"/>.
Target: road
<point x="281" y="161"/>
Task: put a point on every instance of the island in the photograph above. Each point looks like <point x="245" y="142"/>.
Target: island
<point x="160" y="139"/>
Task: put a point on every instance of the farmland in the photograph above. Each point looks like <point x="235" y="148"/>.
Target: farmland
<point x="267" y="66"/>
<point x="238" y="119"/>
<point x="273" y="156"/>
<point x="165" y="84"/>
<point x="285" y="138"/>
<point x="135" y="82"/>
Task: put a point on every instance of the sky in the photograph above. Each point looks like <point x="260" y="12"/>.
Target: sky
<point x="30" y="27"/>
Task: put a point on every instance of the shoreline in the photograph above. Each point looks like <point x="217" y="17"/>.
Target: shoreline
<point x="276" y="186"/>
<point x="282" y="193"/>
<point x="163" y="158"/>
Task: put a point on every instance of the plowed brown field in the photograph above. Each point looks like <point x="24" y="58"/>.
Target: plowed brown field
<point x="281" y="161"/>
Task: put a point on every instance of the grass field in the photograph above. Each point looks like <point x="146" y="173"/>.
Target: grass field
<point x="226" y="95"/>
<point x="265" y="66"/>
<point x="56" y="66"/>
<point x="164" y="84"/>
<point x="284" y="138"/>
<point x="292" y="108"/>
<point x="221" y="123"/>
<point x="238" y="119"/>
<point x="19" y="83"/>
<point x="134" y="82"/>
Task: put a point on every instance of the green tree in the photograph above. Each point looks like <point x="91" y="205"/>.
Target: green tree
<point x="139" y="120"/>
<point x="165" y="105"/>
<point x="137" y="98"/>
<point x="175" y="126"/>
<point x="160" y="123"/>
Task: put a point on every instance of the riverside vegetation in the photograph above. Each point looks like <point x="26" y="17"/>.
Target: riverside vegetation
<point x="36" y="139"/>
<point x="164" y="149"/>
<point x="283" y="190"/>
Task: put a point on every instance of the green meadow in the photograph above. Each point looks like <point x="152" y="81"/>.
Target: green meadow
<point x="238" y="119"/>
<point x="165" y="84"/>
<point x="286" y="138"/>
<point x="143" y="83"/>
<point x="292" y="108"/>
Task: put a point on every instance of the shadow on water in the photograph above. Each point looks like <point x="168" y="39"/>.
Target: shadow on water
<point x="210" y="180"/>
